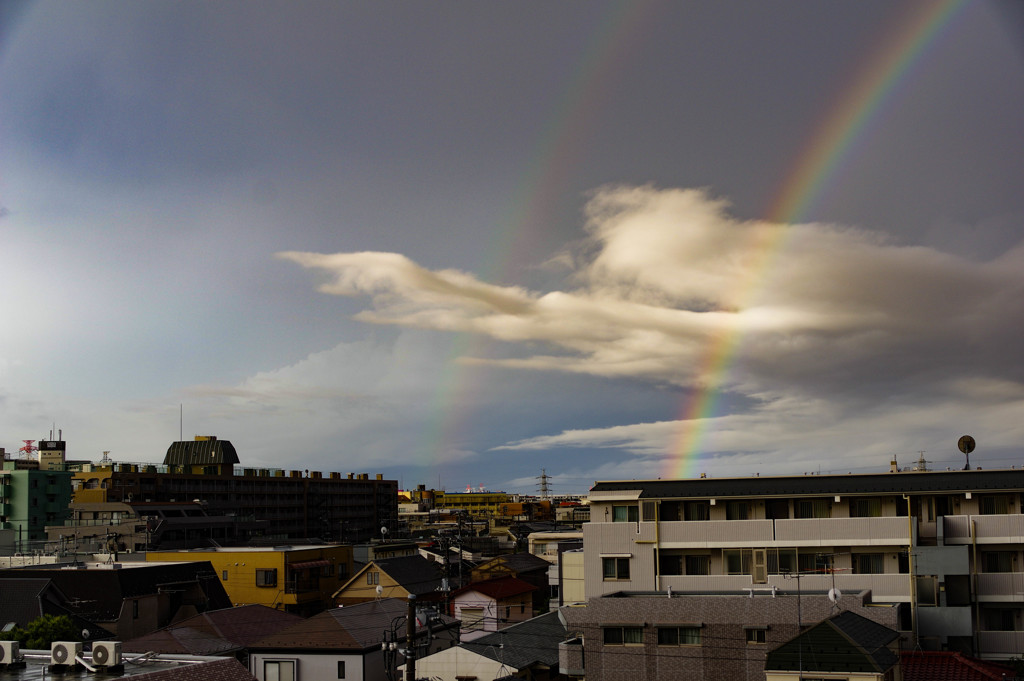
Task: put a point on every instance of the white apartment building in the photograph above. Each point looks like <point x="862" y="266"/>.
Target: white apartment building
<point x="944" y="545"/>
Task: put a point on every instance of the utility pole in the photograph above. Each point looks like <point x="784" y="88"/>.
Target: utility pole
<point x="410" y="640"/>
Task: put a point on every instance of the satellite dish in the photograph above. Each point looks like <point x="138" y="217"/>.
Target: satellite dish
<point x="966" y="445"/>
<point x="85" y="633"/>
<point x="834" y="594"/>
<point x="380" y="590"/>
<point x="383" y="530"/>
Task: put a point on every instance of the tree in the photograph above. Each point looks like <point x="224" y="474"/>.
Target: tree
<point x="41" y="632"/>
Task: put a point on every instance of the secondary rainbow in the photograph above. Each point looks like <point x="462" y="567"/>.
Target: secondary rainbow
<point x="816" y="169"/>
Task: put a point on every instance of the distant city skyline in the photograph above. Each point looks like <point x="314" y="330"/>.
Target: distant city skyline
<point x="466" y="242"/>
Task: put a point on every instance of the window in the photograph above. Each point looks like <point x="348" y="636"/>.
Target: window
<point x="998" y="561"/>
<point x="999" y="619"/>
<point x="679" y="636"/>
<point x="698" y="565"/>
<point x="266" y="578"/>
<point x="869" y="563"/>
<point x="698" y="510"/>
<point x="625" y="514"/>
<point x="224" y="575"/>
<point x="756" y="635"/>
<point x="372" y="577"/>
<point x="341" y="669"/>
<point x="670" y="562"/>
<point x="812" y="508"/>
<point x="737" y="561"/>
<point x="615" y="568"/>
<point x="472" y="619"/>
<point x="670" y="511"/>
<point x="811" y="562"/>
<point x="737" y="510"/>
<point x="623" y="636"/>
<point x="865" y="508"/>
<point x="279" y="670"/>
<point x="995" y="504"/>
<point x="650" y="511"/>
<point x="327" y="571"/>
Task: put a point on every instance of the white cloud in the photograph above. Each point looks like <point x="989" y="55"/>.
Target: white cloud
<point x="840" y="337"/>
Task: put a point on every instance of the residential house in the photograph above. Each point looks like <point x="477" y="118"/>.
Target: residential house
<point x="492" y="604"/>
<point x="845" y="646"/>
<point x="527" y="650"/>
<point x="348" y="643"/>
<point x="217" y="632"/>
<point x="394" y="578"/>
<point x="296" y="579"/>
<point x="946" y="665"/>
<point x="525" y="566"/>
<point x="132" y="599"/>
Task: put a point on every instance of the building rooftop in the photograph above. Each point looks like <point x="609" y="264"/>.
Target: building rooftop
<point x="138" y="667"/>
<point x="870" y="483"/>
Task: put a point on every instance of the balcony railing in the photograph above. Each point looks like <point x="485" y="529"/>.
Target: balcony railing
<point x="1001" y="586"/>
<point x="988" y="529"/>
<point x="1000" y="644"/>
<point x="887" y="531"/>
<point x="889" y="587"/>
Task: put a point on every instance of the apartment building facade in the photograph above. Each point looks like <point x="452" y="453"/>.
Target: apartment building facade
<point x="947" y="545"/>
<point x="296" y="504"/>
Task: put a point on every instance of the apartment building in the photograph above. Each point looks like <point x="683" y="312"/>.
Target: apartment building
<point x="945" y="545"/>
<point x="31" y="499"/>
<point x="296" y="504"/>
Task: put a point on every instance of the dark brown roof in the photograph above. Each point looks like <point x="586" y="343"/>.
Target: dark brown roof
<point x="228" y="669"/>
<point x="104" y="589"/>
<point x="356" y="628"/>
<point x="215" y="632"/>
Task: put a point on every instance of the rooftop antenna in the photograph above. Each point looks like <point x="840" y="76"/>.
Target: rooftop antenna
<point x="966" y="445"/>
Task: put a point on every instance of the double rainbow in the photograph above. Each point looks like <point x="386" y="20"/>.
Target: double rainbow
<point x="816" y="168"/>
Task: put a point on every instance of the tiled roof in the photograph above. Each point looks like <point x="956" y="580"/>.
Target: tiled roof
<point x="416" y="574"/>
<point x="874" y="483"/>
<point x="950" y="666"/>
<point x="353" y="627"/>
<point x="846" y="642"/>
<point x="105" y="589"/>
<point x="228" y="669"/>
<point x="215" y="632"/>
<point x="522" y="645"/>
<point x="502" y="587"/>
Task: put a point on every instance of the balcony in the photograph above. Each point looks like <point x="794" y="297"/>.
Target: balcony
<point x="1000" y="644"/>
<point x="988" y="529"/>
<point x="845" y="531"/>
<point x="1001" y="587"/>
<point x="887" y="588"/>
<point x="889" y="531"/>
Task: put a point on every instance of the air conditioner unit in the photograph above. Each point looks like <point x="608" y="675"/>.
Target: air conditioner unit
<point x="65" y="652"/>
<point x="9" y="652"/>
<point x="106" y="653"/>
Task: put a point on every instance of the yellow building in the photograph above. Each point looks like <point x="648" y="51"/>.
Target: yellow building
<point x="296" y="579"/>
<point x="478" y="504"/>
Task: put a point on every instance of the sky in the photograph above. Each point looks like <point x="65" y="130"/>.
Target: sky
<point x="464" y="244"/>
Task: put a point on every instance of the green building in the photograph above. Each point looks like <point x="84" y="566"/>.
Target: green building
<point x="31" y="499"/>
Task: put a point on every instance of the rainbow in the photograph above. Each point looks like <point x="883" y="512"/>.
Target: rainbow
<point x="559" y="149"/>
<point x="815" y="170"/>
